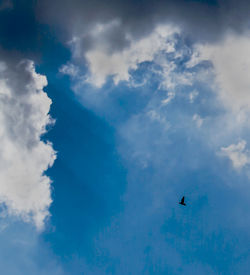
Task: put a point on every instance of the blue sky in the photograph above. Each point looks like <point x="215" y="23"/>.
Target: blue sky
<point x="110" y="114"/>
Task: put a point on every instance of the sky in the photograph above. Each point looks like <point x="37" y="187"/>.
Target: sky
<point x="110" y="112"/>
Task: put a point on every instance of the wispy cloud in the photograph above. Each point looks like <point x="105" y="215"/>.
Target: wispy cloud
<point x="237" y="153"/>
<point x="198" y="120"/>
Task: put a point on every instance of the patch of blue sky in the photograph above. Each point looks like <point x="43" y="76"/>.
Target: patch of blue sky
<point x="124" y="160"/>
<point x="122" y="168"/>
<point x="165" y="155"/>
<point x="88" y="177"/>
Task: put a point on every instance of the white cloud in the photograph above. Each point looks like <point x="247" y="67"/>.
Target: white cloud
<point x="231" y="61"/>
<point x="117" y="64"/>
<point x="24" y="158"/>
<point x="159" y="47"/>
<point x="237" y="153"/>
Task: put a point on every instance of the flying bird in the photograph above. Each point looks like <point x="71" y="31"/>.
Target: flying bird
<point x="182" y="201"/>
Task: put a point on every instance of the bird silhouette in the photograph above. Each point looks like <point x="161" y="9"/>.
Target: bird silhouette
<point x="182" y="201"/>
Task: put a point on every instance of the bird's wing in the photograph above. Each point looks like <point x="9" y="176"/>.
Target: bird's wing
<point x="182" y="200"/>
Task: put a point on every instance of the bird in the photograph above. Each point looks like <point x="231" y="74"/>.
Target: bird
<point x="182" y="201"/>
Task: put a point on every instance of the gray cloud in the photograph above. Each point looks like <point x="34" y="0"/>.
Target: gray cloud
<point x="203" y="20"/>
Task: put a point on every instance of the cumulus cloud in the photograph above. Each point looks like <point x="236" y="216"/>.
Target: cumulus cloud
<point x="24" y="106"/>
<point x="159" y="50"/>
<point x="113" y="39"/>
<point x="110" y="38"/>
<point x="102" y="63"/>
<point x="237" y="153"/>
